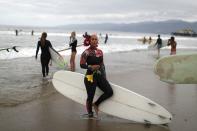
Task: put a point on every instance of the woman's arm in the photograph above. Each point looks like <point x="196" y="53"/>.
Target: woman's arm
<point x="37" y="50"/>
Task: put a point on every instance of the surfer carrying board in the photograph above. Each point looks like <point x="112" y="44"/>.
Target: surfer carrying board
<point x="92" y="60"/>
<point x="73" y="45"/>
<point x="45" y="54"/>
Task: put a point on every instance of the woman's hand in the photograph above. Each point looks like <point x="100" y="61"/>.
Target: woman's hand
<point x="95" y="67"/>
<point x="50" y="63"/>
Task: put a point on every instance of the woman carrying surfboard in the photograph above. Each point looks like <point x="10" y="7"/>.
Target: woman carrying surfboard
<point x="45" y="54"/>
<point x="92" y="60"/>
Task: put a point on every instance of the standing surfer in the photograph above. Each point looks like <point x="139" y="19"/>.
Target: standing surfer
<point x="172" y="43"/>
<point x="92" y="60"/>
<point x="16" y="32"/>
<point x="73" y="45"/>
<point x="106" y="38"/>
<point x="158" y="44"/>
<point x="45" y="54"/>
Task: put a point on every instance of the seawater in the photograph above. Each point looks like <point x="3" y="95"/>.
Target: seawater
<point x="117" y="42"/>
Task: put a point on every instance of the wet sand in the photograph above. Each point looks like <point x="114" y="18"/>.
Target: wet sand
<point x="132" y="70"/>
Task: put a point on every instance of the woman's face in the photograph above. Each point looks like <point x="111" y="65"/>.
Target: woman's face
<point x="94" y="41"/>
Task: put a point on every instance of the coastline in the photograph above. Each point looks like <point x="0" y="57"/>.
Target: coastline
<point x="132" y="70"/>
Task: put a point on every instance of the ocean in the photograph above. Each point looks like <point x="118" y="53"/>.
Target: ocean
<point x="117" y="42"/>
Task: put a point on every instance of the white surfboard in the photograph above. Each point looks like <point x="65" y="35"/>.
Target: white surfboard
<point x="123" y="104"/>
<point x="153" y="46"/>
<point x="57" y="58"/>
<point x="178" y="69"/>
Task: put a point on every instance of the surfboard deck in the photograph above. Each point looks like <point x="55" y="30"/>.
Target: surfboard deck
<point x="58" y="59"/>
<point x="178" y="69"/>
<point x="153" y="47"/>
<point x="123" y="104"/>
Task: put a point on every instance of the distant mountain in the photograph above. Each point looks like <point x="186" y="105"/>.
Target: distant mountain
<point x="145" y="27"/>
<point x="163" y="27"/>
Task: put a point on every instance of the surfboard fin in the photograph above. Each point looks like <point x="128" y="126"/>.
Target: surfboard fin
<point x="162" y="117"/>
<point x="147" y="122"/>
<point x="166" y="125"/>
<point x="151" y="104"/>
<point x="14" y="48"/>
<point x="8" y="49"/>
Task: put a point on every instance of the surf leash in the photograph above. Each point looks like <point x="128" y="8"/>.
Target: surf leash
<point x="68" y="48"/>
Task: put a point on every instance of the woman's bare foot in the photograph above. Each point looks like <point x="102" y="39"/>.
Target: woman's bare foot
<point x="96" y="109"/>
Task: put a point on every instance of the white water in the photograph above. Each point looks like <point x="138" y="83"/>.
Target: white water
<point x="118" y="42"/>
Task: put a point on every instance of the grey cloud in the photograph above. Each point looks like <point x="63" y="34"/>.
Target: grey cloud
<point x="86" y="11"/>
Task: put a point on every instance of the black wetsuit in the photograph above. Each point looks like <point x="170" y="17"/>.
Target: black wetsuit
<point x="73" y="45"/>
<point x="94" y="56"/>
<point x="159" y="43"/>
<point x="106" y="38"/>
<point x="45" y="56"/>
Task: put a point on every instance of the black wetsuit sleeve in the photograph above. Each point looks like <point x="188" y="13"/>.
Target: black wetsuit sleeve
<point x="83" y="63"/>
<point x="156" y="42"/>
<point x="37" y="49"/>
<point x="50" y="45"/>
<point x="85" y="66"/>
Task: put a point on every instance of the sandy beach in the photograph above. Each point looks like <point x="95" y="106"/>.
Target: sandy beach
<point x="35" y="105"/>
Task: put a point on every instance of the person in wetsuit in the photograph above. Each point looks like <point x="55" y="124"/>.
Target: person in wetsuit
<point x="149" y="40"/>
<point x="92" y="60"/>
<point x="45" y="54"/>
<point x="158" y="44"/>
<point x="16" y="32"/>
<point x="73" y="45"/>
<point x="106" y="38"/>
<point x="172" y="43"/>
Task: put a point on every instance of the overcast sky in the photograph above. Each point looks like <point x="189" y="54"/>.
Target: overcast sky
<point x="61" y="12"/>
